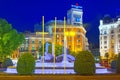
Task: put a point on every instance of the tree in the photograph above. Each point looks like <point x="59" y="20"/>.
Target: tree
<point x="58" y="49"/>
<point x="84" y="63"/>
<point x="10" y="39"/>
<point x="73" y="53"/>
<point x="118" y="64"/>
<point x="26" y="64"/>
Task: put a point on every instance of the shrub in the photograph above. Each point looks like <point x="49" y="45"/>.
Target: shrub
<point x="113" y="64"/>
<point x="7" y="62"/>
<point x="26" y="64"/>
<point x="118" y="64"/>
<point x="84" y="63"/>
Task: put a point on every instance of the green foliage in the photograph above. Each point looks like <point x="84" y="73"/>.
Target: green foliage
<point x="10" y="39"/>
<point x="41" y="49"/>
<point x="58" y="49"/>
<point x="7" y="62"/>
<point x="118" y="64"/>
<point x="26" y="64"/>
<point x="84" y="63"/>
<point x="73" y="53"/>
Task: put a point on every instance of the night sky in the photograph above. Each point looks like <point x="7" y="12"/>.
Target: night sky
<point x="23" y="14"/>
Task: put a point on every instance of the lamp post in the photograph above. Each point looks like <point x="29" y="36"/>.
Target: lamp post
<point x="43" y="44"/>
<point x="71" y="33"/>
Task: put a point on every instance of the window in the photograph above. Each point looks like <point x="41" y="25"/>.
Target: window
<point x="62" y="30"/>
<point x="112" y="46"/>
<point x="78" y="46"/>
<point x="77" y="19"/>
<point x="68" y="29"/>
<point x="57" y="30"/>
<point x="105" y="32"/>
<point x="57" y="40"/>
<point x="105" y="42"/>
<point x="33" y="41"/>
<point x="69" y="46"/>
<point x="33" y="48"/>
<point x="112" y="31"/>
<point x="57" y="36"/>
<point x="78" y="30"/>
<point x="112" y="36"/>
<point x="27" y="41"/>
<point x="118" y="35"/>
<point x="39" y="42"/>
<point x="69" y="40"/>
<point x="118" y="30"/>
<point x="78" y="36"/>
<point x="105" y="46"/>
<point x="105" y="37"/>
<point x="26" y="48"/>
<point x="78" y="40"/>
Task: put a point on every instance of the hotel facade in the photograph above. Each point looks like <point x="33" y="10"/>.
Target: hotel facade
<point x="109" y="38"/>
<point x="72" y="29"/>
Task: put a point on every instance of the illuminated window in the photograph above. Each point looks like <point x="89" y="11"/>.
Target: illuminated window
<point x="77" y="19"/>
<point x="57" y="36"/>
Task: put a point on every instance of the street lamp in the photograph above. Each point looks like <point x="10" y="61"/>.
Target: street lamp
<point x="71" y="33"/>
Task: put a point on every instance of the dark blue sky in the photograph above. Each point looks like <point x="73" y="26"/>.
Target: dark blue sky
<point x="23" y="14"/>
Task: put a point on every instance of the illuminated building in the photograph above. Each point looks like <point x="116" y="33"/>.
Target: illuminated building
<point x="34" y="42"/>
<point x="109" y="37"/>
<point x="75" y="33"/>
<point x="76" y="38"/>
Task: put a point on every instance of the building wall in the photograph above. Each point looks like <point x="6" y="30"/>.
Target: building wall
<point x="109" y="38"/>
<point x="78" y="42"/>
<point x="34" y="42"/>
